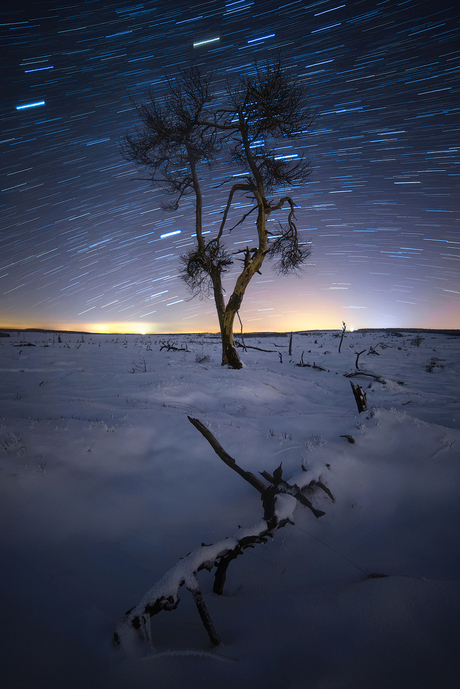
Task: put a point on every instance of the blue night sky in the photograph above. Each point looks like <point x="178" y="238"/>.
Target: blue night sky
<point x="84" y="243"/>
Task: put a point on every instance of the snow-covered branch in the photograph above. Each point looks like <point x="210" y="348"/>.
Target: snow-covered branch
<point x="279" y="501"/>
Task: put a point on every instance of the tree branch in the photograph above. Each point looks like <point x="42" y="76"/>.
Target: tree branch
<point x="243" y="218"/>
<point x="225" y="457"/>
<point x="203" y="612"/>
<point x="285" y="487"/>
<point x="235" y="188"/>
<point x="278" y="511"/>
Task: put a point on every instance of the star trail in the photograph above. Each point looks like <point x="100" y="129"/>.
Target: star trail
<point x="85" y="243"/>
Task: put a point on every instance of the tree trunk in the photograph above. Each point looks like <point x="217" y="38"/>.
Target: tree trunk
<point x="226" y="314"/>
<point x="230" y="356"/>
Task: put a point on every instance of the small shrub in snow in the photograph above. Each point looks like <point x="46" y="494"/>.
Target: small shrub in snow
<point x="13" y="444"/>
<point x="433" y="364"/>
<point x="202" y="358"/>
<point x="140" y="367"/>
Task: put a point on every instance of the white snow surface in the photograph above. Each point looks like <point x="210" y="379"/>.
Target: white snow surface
<point x="105" y="486"/>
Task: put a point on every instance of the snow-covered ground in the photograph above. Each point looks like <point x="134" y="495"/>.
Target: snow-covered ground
<point x="105" y="485"/>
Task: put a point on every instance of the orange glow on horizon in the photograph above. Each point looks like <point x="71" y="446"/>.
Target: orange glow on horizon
<point x="100" y="328"/>
<point x="321" y="316"/>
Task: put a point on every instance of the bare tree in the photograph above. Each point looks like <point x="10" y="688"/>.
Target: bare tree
<point x="262" y="109"/>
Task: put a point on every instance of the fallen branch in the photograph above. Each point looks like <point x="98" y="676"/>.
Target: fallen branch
<point x="353" y="374"/>
<point x="360" y="397"/>
<point x="301" y="364"/>
<point x="279" y="500"/>
<point x="172" y="347"/>
<point x="323" y="487"/>
<point x="349" y="438"/>
<point x="358" y="354"/>
<point x="259" y="349"/>
<point x="285" y="487"/>
<point x="320" y="368"/>
<point x="164" y="595"/>
<point x="225" y="457"/>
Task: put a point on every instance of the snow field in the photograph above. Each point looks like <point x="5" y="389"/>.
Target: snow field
<point x="105" y="485"/>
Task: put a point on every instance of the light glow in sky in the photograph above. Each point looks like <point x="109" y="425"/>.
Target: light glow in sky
<point x="85" y="244"/>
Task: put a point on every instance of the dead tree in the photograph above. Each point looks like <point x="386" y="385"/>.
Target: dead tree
<point x="279" y="499"/>
<point x="263" y="109"/>
<point x="344" y="327"/>
<point x="186" y="133"/>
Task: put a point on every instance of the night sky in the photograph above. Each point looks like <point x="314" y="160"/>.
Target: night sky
<point x="84" y="243"/>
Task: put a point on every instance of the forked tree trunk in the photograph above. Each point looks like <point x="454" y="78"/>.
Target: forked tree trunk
<point x="230" y="356"/>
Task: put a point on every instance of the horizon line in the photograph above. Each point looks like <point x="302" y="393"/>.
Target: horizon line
<point x="244" y="334"/>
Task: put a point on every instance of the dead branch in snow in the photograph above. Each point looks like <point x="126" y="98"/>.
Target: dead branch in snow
<point x="360" y="397"/>
<point x="259" y="349"/>
<point x="172" y="347"/>
<point x="348" y="437"/>
<point x="358" y="354"/>
<point x="301" y="364"/>
<point x="279" y="500"/>
<point x="285" y="487"/>
<point x="225" y="457"/>
<point x="376" y="377"/>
